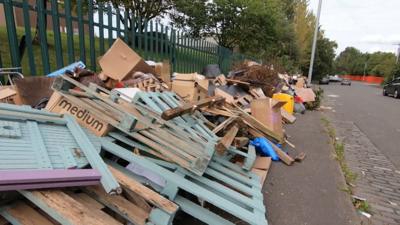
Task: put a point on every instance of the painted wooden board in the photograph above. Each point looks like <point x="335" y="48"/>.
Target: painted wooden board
<point x="65" y="210"/>
<point x="148" y="194"/>
<point x="120" y="205"/>
<point x="21" y="213"/>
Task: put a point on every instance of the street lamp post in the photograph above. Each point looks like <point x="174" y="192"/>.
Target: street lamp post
<point x="314" y="45"/>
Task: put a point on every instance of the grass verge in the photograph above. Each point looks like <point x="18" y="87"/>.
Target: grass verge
<point x="350" y="177"/>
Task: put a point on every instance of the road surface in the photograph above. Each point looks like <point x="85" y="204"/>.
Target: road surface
<point x="376" y="115"/>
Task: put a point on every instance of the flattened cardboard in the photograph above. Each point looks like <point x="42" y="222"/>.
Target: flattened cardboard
<point x="120" y="61"/>
<point x="85" y="118"/>
<point x="262" y="163"/>
<point x="32" y="96"/>
<point x="9" y="95"/>
<point x="306" y="94"/>
<point x="268" y="112"/>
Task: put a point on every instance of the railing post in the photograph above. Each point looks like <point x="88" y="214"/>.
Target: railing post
<point x="12" y="33"/>
<point x="92" y="46"/>
<point x="81" y="30"/>
<point x="70" y="32"/>
<point x="28" y="38"/>
<point x="43" y="36"/>
<point x="57" y="36"/>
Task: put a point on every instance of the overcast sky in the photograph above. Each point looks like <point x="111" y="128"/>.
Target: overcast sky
<point x="369" y="25"/>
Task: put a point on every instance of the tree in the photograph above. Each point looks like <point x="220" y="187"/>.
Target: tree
<point x="351" y="61"/>
<point x="247" y="25"/>
<point x="381" y="63"/>
<point x="140" y="11"/>
<point x="324" y="58"/>
<point x="304" y="23"/>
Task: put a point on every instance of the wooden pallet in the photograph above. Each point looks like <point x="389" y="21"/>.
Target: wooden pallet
<point x="137" y="205"/>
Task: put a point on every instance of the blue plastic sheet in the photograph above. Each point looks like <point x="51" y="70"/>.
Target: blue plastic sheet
<point x="264" y="147"/>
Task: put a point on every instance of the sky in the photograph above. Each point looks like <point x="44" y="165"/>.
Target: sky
<point x="369" y="25"/>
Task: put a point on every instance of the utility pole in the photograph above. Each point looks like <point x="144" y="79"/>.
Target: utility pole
<point x="314" y="44"/>
<point x="365" y="69"/>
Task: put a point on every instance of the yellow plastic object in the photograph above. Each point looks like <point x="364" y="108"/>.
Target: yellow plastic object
<point x="289" y="106"/>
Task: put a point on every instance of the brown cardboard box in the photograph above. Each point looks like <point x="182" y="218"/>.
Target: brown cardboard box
<point x="60" y="104"/>
<point x="191" y="87"/>
<point x="9" y="95"/>
<point x="306" y="94"/>
<point x="120" y="61"/>
<point x="163" y="71"/>
<point x="268" y="112"/>
<point x="189" y="90"/>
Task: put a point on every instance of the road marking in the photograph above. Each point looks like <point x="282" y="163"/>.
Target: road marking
<point x="333" y="96"/>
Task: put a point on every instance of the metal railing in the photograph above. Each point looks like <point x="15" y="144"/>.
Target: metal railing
<point x="48" y="35"/>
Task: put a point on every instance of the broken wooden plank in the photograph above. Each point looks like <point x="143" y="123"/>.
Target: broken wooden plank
<point x="190" y="107"/>
<point x="148" y="194"/>
<point x="224" y="124"/>
<point x="120" y="205"/>
<point x="226" y="141"/>
<point x="86" y="200"/>
<point x="240" y="142"/>
<point x="287" y="117"/>
<point x="23" y="214"/>
<point x="282" y="155"/>
<point x="55" y="203"/>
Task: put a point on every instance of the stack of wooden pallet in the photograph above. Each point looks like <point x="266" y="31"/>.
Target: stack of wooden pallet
<point x="139" y="159"/>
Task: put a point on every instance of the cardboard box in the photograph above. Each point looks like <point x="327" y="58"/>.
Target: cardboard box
<point x="191" y="87"/>
<point x="163" y="71"/>
<point x="120" y="61"/>
<point x="9" y="95"/>
<point x="306" y="94"/>
<point x="268" y="112"/>
<point x="62" y="105"/>
<point x="189" y="90"/>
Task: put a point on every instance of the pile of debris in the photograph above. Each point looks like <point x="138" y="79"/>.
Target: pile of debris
<point x="135" y="145"/>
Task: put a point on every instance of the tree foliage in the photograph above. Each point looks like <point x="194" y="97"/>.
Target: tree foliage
<point x="240" y="24"/>
<point x="353" y="61"/>
<point x="140" y="11"/>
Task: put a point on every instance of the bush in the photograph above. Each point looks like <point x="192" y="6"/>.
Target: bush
<point x="319" y="94"/>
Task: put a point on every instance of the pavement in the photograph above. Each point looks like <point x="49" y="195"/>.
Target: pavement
<point x="310" y="192"/>
<point x="376" y="115"/>
<point x="368" y="124"/>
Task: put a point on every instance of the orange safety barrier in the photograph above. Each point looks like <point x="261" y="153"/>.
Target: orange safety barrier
<point x="367" y="78"/>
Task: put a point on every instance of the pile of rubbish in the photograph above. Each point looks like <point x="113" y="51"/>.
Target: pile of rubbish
<point x="136" y="144"/>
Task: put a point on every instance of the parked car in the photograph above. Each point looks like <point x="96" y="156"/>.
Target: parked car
<point x="346" y="82"/>
<point x="324" y="80"/>
<point x="335" y="78"/>
<point x="392" y="88"/>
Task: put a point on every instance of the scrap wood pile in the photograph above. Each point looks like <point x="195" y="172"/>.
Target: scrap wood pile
<point x="135" y="145"/>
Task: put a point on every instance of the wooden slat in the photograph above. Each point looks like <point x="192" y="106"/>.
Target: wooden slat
<point x="120" y="205"/>
<point x="190" y="107"/>
<point x="148" y="194"/>
<point x="25" y="214"/>
<point x="86" y="200"/>
<point x="58" y="204"/>
<point x="224" y="143"/>
<point x="282" y="155"/>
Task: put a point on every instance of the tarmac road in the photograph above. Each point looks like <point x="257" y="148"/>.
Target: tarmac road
<point x="376" y="115"/>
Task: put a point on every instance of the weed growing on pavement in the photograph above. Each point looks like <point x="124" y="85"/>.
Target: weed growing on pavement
<point x="349" y="176"/>
<point x="362" y="205"/>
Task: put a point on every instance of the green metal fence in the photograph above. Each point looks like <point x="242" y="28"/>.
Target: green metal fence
<point x="64" y="33"/>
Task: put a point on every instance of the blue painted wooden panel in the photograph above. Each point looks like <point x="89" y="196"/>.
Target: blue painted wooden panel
<point x="32" y="145"/>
